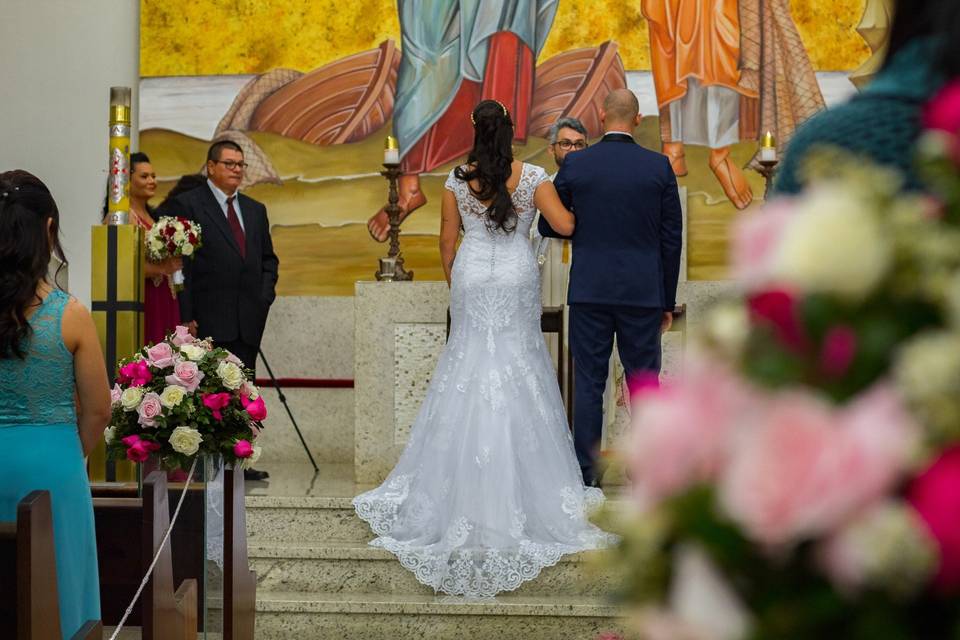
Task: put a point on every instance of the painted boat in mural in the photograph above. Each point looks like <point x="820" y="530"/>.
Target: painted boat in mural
<point x="574" y="84"/>
<point x="343" y="101"/>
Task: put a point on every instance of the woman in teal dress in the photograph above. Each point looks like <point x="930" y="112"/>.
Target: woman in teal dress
<point x="54" y="395"/>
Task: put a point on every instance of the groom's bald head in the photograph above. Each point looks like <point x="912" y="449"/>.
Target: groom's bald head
<point x="621" y="110"/>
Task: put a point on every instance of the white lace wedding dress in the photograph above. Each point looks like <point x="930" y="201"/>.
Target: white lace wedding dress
<point x="488" y="490"/>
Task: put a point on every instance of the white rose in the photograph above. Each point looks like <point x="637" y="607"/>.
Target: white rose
<point x="249" y="462"/>
<point x="130" y="398"/>
<point x="185" y="440"/>
<point x="231" y="374"/>
<point x="187" y="249"/>
<point x="172" y="396"/>
<point x="109" y="434"/>
<point x="928" y="366"/>
<point x="179" y="237"/>
<point x="728" y="326"/>
<point x="834" y="244"/>
<point x="193" y="352"/>
<point x="886" y="547"/>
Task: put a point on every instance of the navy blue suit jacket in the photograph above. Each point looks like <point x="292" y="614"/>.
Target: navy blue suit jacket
<point x="629" y="230"/>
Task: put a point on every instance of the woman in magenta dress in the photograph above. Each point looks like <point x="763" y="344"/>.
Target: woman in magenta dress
<point x="161" y="311"/>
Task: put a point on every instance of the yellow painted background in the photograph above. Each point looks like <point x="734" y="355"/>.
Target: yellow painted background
<point x="212" y="37"/>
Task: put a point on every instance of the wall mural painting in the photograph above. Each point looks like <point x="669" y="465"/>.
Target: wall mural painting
<point x="711" y="77"/>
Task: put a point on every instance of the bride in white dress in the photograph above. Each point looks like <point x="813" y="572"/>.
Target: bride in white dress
<point x="488" y="490"/>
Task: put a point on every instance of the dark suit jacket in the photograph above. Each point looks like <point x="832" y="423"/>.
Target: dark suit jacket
<point x="228" y="296"/>
<point x="629" y="231"/>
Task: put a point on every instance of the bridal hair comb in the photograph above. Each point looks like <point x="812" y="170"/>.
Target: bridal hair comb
<point x="473" y="120"/>
<point x="6" y="194"/>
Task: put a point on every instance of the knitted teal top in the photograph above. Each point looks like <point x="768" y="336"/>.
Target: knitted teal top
<point x="881" y="124"/>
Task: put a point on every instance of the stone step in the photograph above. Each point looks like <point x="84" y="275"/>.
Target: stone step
<point x="303" y="519"/>
<point x="321" y="519"/>
<point x="283" y="615"/>
<point x="351" y="567"/>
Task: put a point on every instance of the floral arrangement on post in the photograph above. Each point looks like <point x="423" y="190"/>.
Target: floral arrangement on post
<point x="802" y="479"/>
<point x="173" y="237"/>
<point x="181" y="398"/>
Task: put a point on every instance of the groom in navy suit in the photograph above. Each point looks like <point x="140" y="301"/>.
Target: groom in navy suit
<point x="626" y="262"/>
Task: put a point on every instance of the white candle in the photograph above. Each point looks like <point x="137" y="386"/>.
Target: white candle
<point x="391" y="156"/>
<point x="768" y="154"/>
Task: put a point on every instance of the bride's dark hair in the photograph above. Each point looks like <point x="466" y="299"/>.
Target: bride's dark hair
<point x="489" y="163"/>
<point x="26" y="245"/>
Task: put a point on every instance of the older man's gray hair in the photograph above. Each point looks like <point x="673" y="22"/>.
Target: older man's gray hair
<point x="566" y="123"/>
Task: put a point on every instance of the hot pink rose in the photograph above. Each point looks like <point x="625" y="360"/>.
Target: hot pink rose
<point x="804" y="467"/>
<point x="181" y="336"/>
<point x="755" y="242"/>
<point x="139" y="450"/>
<point x="160" y="355"/>
<point x="255" y="408"/>
<point x="215" y="402"/>
<point x="942" y="112"/>
<point x="838" y="350"/>
<point x="115" y="393"/>
<point x="136" y="373"/>
<point x="149" y="409"/>
<point x="935" y="494"/>
<point x="778" y="309"/>
<point x="243" y="449"/>
<point x="186" y="374"/>
<point x="642" y="383"/>
<point x="681" y="431"/>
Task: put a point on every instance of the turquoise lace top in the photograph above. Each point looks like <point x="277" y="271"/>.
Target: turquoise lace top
<point x="882" y="123"/>
<point x="40" y="388"/>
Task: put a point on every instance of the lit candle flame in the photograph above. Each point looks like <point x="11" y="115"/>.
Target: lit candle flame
<point x="768" y="142"/>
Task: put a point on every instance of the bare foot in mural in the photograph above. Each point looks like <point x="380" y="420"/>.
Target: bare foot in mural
<point x="678" y="160"/>
<point x="732" y="180"/>
<point x="411" y="199"/>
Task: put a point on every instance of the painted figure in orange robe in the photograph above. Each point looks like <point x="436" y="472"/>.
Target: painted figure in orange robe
<point x="456" y="53"/>
<point x="725" y="71"/>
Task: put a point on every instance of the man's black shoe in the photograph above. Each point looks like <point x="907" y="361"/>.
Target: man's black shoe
<point x="253" y="474"/>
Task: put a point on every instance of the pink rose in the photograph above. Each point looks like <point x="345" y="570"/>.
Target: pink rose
<point x="160" y="355"/>
<point x="243" y="449"/>
<point x="935" y="494"/>
<point x="805" y="467"/>
<point x="942" y="112"/>
<point x="139" y="450"/>
<point x="838" y="350"/>
<point x="186" y="374"/>
<point x="149" y="409"/>
<point x="136" y="373"/>
<point x="681" y="431"/>
<point x="235" y="360"/>
<point x="115" y="393"/>
<point x="778" y="309"/>
<point x="215" y="402"/>
<point x="255" y="408"/>
<point x="181" y="336"/>
<point x="755" y="241"/>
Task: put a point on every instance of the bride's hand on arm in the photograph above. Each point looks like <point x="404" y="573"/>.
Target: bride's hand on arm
<point x="449" y="231"/>
<point x="558" y="216"/>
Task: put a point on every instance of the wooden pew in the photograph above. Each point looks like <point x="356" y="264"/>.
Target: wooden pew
<point x="123" y="561"/>
<point x="28" y="576"/>
<point x="240" y="583"/>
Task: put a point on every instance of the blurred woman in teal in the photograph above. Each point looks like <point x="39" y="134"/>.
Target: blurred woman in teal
<point x="54" y="395"/>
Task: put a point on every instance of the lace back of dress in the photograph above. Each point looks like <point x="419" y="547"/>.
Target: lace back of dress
<point x="40" y="388"/>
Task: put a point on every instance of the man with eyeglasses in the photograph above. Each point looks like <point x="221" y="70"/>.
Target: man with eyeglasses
<point x="566" y="136"/>
<point x="230" y="282"/>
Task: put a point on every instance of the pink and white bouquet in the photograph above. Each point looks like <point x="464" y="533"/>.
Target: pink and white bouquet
<point x="173" y="237"/>
<point x="181" y="398"/>
<point x="802" y="478"/>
